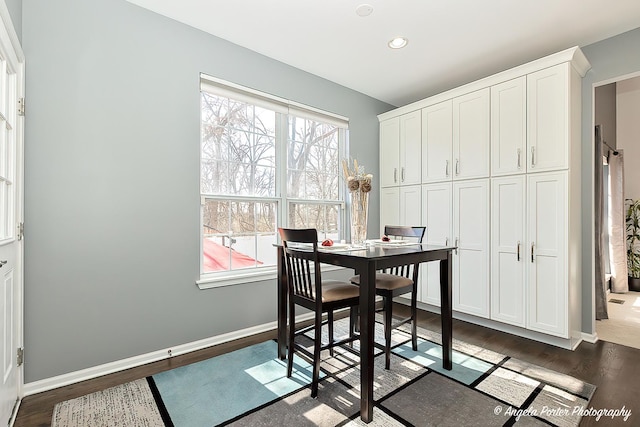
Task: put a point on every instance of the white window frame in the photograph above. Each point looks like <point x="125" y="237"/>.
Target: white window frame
<point x="285" y="107"/>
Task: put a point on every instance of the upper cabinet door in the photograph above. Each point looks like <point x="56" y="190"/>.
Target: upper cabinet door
<point x="437" y="142"/>
<point x="410" y="148"/>
<point x="548" y="118"/>
<point x="390" y="152"/>
<point x="509" y="127"/>
<point x="471" y="135"/>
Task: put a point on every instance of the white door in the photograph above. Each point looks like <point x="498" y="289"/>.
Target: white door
<point x="437" y="142"/>
<point x="509" y="127"/>
<point x="410" y="148"/>
<point x="508" y="245"/>
<point x="436" y="216"/>
<point x="11" y="88"/>
<point x="471" y="259"/>
<point x="548" y="118"/>
<point x="410" y="206"/>
<point x="546" y="258"/>
<point x="471" y="135"/>
<point x="389" y="207"/>
<point x="390" y="152"/>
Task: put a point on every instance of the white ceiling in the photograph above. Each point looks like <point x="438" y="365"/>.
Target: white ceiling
<point x="451" y="42"/>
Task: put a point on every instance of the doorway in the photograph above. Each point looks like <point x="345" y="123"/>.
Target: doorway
<point x="617" y="105"/>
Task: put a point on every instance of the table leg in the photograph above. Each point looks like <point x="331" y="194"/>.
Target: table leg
<point x="445" y="311"/>
<point x="282" y="305"/>
<point x="367" y="330"/>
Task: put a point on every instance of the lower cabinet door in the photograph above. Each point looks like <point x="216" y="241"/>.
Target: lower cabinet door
<point x="508" y="258"/>
<point x="546" y="253"/>
<point x="471" y="258"/>
<point x="436" y="216"/>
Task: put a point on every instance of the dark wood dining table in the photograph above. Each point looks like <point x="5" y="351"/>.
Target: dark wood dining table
<point x="366" y="262"/>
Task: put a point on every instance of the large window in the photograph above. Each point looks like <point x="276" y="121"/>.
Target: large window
<point x="265" y="163"/>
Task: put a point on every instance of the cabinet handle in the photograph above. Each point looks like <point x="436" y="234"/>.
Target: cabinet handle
<point x="446" y="241"/>
<point x="446" y="168"/>
<point x="533" y="156"/>
<point x="402" y="174"/>
<point x="395" y="174"/>
<point x="456" y="245"/>
<point x="532" y="245"/>
<point x="519" y="164"/>
<point x="518" y="251"/>
<point x="457" y="166"/>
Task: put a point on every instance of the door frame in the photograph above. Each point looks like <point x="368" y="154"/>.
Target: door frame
<point x="19" y="65"/>
<point x="593" y="187"/>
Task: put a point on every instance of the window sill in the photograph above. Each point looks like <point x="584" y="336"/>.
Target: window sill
<point x="208" y="281"/>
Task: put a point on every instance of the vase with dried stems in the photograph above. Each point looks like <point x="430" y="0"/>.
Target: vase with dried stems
<point x="359" y="185"/>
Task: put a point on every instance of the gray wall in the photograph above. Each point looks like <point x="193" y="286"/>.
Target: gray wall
<point x="112" y="180"/>
<point x="15" y="10"/>
<point x="610" y="58"/>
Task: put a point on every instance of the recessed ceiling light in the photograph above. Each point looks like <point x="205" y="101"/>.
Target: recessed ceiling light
<point x="398" y="42"/>
<point x="364" y="10"/>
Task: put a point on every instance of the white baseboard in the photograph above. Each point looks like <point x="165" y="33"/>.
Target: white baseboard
<point x="132" y="362"/>
<point x="590" y="338"/>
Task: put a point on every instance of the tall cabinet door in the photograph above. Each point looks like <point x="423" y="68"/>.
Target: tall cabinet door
<point x="410" y="148"/>
<point x="437" y="142"/>
<point x="471" y="259"/>
<point x="547" y="259"/>
<point x="509" y="127"/>
<point x="471" y="135"/>
<point x="548" y="118"/>
<point x="390" y="152"/>
<point x="436" y="216"/>
<point x="508" y="244"/>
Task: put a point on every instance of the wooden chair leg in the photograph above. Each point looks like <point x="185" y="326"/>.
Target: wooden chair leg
<point x="317" y="343"/>
<point x="388" y="301"/>
<point x="353" y="318"/>
<point x="330" y="323"/>
<point x="291" y="337"/>
<point x="414" y="319"/>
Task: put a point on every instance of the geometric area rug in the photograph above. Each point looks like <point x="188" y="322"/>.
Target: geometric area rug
<point x="249" y="387"/>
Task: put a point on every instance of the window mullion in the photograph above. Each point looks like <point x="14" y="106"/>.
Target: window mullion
<point x="281" y="168"/>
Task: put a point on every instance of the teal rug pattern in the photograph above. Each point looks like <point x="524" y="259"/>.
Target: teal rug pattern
<point x="249" y="387"/>
<point x="210" y="392"/>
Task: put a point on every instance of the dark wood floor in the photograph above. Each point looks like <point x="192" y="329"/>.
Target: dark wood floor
<point x="613" y="368"/>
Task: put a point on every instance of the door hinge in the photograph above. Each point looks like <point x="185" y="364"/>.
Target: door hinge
<point x="21" y="106"/>
<point x="20" y="356"/>
<point x="20" y="230"/>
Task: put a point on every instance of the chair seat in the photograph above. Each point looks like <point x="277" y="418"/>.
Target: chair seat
<point x="334" y="290"/>
<point x="387" y="281"/>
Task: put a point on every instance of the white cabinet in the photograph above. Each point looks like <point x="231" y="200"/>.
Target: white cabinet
<point x="389" y="207"/>
<point x="548" y="118"/>
<point x="471" y="135"/>
<point x="437" y="142"/>
<point x="400" y="150"/>
<point x="547" y="253"/>
<point x="389" y="152"/>
<point x="508" y="250"/>
<point x="500" y="163"/>
<point x="400" y="206"/>
<point x="471" y="259"/>
<point x="410" y="148"/>
<point x="437" y="217"/>
<point x="509" y="127"/>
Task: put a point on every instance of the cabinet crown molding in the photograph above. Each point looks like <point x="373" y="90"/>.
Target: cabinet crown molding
<point x="573" y="55"/>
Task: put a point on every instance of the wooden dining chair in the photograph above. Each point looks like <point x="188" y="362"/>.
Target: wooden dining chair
<point x="306" y="288"/>
<point x="396" y="281"/>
